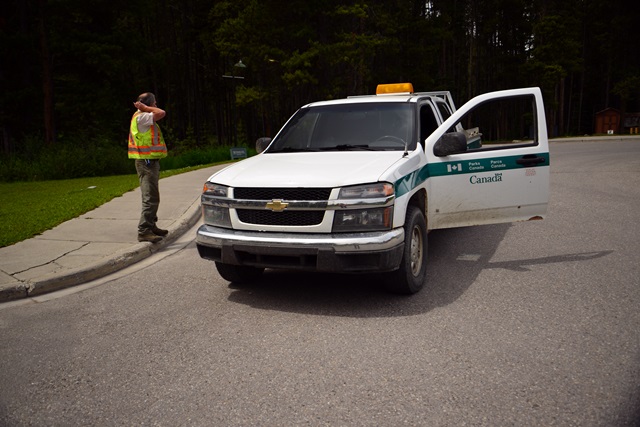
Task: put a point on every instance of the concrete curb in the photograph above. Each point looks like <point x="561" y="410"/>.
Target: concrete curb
<point x="118" y="261"/>
<point x="604" y="138"/>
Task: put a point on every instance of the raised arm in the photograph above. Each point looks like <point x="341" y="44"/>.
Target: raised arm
<point x="158" y="113"/>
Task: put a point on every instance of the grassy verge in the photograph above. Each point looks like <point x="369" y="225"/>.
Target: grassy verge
<point x="29" y="208"/>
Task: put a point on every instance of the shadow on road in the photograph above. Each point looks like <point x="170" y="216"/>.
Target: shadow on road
<point x="456" y="258"/>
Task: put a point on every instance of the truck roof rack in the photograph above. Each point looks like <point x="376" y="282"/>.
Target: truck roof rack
<point x="444" y="94"/>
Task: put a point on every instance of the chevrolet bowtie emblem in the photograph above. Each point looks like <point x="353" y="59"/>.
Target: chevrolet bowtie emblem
<point x="277" y="205"/>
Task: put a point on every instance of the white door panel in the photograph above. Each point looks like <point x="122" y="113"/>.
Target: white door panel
<point x="505" y="180"/>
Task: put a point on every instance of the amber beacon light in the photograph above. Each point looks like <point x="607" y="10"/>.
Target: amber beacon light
<point x="383" y="89"/>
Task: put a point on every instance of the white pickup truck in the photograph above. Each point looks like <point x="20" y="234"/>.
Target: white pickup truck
<point x="354" y="185"/>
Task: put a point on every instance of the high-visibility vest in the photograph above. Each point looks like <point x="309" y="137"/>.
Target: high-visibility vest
<point x="147" y="145"/>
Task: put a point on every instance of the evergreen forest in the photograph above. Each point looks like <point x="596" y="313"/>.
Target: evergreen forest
<point x="230" y="71"/>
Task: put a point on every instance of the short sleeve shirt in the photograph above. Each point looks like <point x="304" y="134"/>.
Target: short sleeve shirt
<point x="145" y="121"/>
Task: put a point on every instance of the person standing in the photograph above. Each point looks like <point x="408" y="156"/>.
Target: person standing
<point x="147" y="147"/>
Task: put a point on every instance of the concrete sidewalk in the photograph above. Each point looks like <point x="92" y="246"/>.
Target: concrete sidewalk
<point x="99" y="242"/>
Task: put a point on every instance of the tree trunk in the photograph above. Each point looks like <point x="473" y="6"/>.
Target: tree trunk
<point x="47" y="78"/>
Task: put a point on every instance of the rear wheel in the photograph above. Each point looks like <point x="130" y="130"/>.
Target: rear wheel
<point x="238" y="273"/>
<point x="410" y="277"/>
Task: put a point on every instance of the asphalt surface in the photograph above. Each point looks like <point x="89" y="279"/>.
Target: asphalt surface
<point x="99" y="242"/>
<point x="524" y="324"/>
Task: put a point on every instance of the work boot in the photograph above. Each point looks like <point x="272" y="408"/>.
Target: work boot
<point x="159" y="231"/>
<point x="149" y="237"/>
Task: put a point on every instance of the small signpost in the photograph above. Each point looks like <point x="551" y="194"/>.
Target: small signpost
<point x="238" y="153"/>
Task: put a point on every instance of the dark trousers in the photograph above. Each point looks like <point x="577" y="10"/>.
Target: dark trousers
<point x="149" y="176"/>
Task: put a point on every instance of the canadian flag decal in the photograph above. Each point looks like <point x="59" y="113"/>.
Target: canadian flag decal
<point x="454" y="168"/>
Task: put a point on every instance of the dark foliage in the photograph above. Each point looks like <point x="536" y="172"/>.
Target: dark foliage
<point x="230" y="71"/>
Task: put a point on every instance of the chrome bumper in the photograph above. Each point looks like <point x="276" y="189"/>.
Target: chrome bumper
<point x="348" y="252"/>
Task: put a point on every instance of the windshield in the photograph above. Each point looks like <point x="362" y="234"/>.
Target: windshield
<point x="362" y="126"/>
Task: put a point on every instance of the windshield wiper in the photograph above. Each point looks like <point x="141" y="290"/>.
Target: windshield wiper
<point x="290" y="150"/>
<point x="347" y="147"/>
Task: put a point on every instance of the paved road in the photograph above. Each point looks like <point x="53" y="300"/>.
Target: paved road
<point x="526" y="324"/>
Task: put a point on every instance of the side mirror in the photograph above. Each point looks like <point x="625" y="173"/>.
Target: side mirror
<point x="262" y="144"/>
<point x="450" y="143"/>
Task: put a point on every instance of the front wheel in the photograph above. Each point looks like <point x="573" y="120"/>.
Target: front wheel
<point x="238" y="273"/>
<point x="410" y="277"/>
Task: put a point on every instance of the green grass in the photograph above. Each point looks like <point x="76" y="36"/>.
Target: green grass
<point x="29" y="208"/>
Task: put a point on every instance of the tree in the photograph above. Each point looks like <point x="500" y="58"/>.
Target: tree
<point x="71" y="70"/>
<point x="556" y="54"/>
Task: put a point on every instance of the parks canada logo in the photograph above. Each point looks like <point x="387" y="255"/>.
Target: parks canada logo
<point x="485" y="179"/>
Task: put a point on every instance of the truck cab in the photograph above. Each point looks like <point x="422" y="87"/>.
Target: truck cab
<point x="355" y="185"/>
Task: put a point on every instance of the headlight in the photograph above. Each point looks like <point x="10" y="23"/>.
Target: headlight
<point x="375" y="219"/>
<point x="215" y="190"/>
<point x="367" y="191"/>
<point x="367" y="218"/>
<point x="211" y="213"/>
<point x="216" y="215"/>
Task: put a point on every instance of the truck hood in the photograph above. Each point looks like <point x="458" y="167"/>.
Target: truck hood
<point x="334" y="169"/>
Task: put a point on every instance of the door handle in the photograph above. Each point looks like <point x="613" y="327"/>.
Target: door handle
<point x="530" y="160"/>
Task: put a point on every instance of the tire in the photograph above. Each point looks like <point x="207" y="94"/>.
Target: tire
<point x="410" y="277"/>
<point x="239" y="273"/>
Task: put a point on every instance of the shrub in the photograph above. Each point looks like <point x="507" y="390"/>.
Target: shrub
<point x="80" y="158"/>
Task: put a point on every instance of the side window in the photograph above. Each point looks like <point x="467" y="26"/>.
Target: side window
<point x="501" y="123"/>
<point x="428" y="122"/>
<point x="445" y="112"/>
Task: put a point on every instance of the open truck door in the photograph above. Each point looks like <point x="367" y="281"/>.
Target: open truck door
<point x="496" y="171"/>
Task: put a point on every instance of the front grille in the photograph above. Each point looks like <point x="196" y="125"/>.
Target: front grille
<point x="282" y="193"/>
<point x="286" y="218"/>
<point x="292" y="218"/>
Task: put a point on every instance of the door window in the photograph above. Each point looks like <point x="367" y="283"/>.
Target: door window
<point x="428" y="122"/>
<point x="445" y="112"/>
<point x="501" y="123"/>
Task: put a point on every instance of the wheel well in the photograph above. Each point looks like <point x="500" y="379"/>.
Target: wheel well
<point x="419" y="200"/>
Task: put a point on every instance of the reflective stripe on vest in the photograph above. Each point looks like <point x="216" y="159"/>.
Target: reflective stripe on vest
<point x="147" y="145"/>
